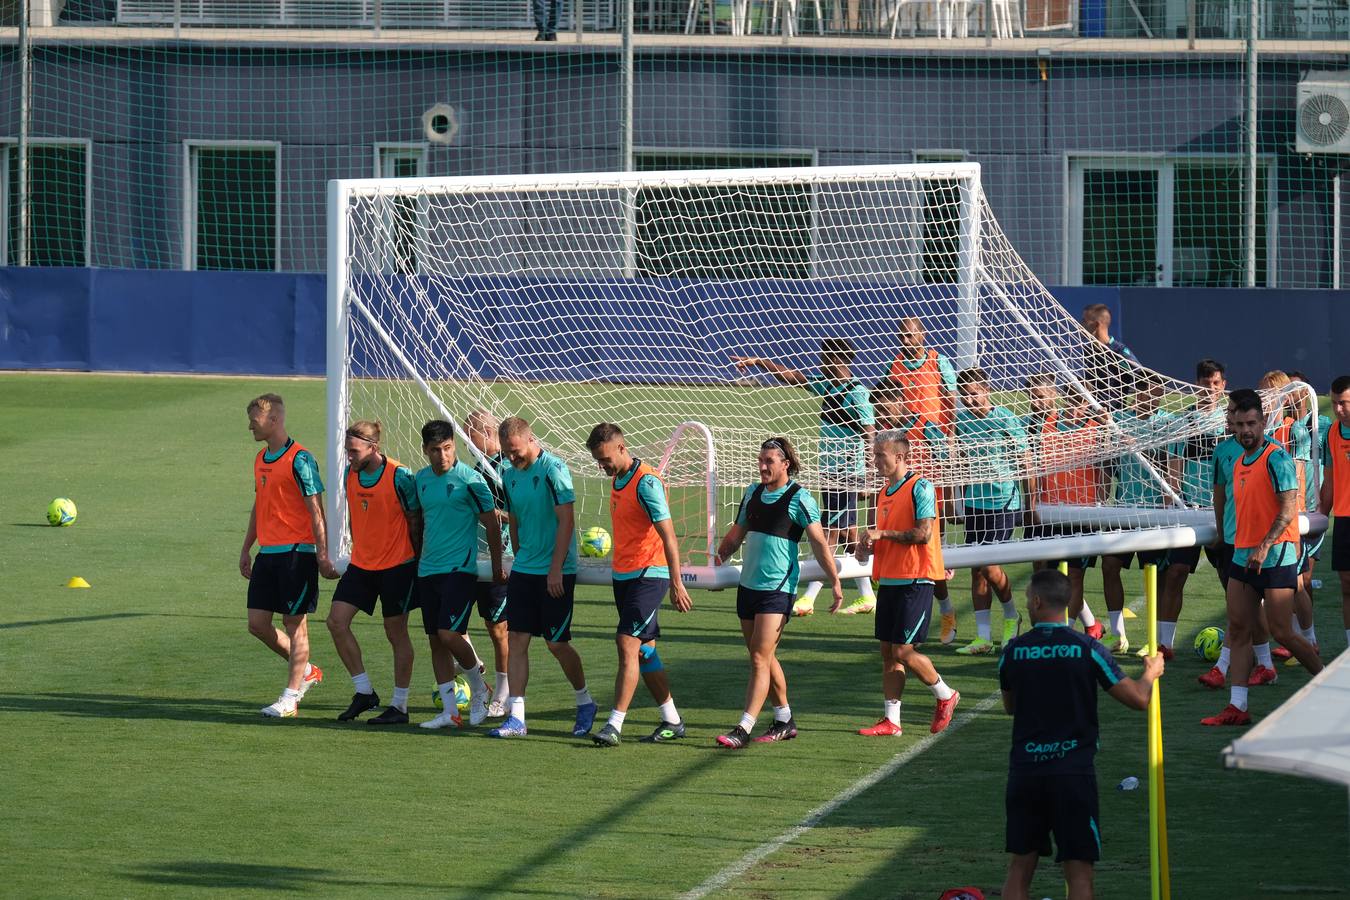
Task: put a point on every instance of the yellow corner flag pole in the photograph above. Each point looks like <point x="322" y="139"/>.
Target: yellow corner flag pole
<point x="1159" y="868"/>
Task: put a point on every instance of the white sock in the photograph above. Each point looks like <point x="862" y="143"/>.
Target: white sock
<point x="940" y="689"/>
<point x="584" y="696"/>
<point x="616" y="719"/>
<point x="401" y="698"/>
<point x="477" y="687"/>
<point x="782" y="713"/>
<point x="1009" y="609"/>
<point x="865" y="588"/>
<point x="747" y="722"/>
<point x="1222" y="664"/>
<point x="1262" y="652"/>
<point x="447" y="692"/>
<point x="518" y="708"/>
<point x="1237" y="695"/>
<point x="669" y="713"/>
<point x="1117" y="617"/>
<point x="893" y="711"/>
<point x="501" y="690"/>
<point x="982" y="624"/>
<point x="1086" y="616"/>
<point x="290" y="695"/>
<point x="811" y="590"/>
<point x="945" y="605"/>
<point x="362" y="684"/>
<point x="1310" y="633"/>
<point x="1167" y="633"/>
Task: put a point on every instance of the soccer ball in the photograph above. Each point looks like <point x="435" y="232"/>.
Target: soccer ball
<point x="1208" y="643"/>
<point x="461" y="695"/>
<point x="61" y="512"/>
<point x="595" y="542"/>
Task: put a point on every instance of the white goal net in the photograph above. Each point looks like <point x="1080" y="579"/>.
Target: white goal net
<point x="571" y="300"/>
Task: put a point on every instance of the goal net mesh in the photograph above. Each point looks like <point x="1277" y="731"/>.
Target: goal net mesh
<point x="574" y="300"/>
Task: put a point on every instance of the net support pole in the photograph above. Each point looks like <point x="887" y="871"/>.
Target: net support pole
<point x="21" y="255"/>
<point x="968" y="303"/>
<point x="1159" y="876"/>
<point x="1249" y="230"/>
<point x="337" y="322"/>
<point x="1336" y="232"/>
<point x="626" y="87"/>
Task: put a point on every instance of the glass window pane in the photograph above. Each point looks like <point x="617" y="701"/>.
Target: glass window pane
<point x="1120" y="227"/>
<point x="56" y="204"/>
<point x="236" y="208"/>
<point x="1209" y="226"/>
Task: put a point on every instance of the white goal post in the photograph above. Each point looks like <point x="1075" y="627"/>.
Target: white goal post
<point x="627" y="297"/>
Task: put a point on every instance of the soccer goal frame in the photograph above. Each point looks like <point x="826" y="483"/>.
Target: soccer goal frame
<point x="987" y="283"/>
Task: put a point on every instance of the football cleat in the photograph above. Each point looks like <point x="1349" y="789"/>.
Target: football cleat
<point x="312" y="677"/>
<point x="284" y="708"/>
<point x="977" y="647"/>
<point x="478" y="711"/>
<point x="585" y="719"/>
<point x="498" y="708"/>
<point x="860" y="607"/>
<point x="606" y="737"/>
<point x="948" y="633"/>
<point x="1096" y="631"/>
<point x="1011" y="628"/>
<point x="1213" y="679"/>
<point x="664" y="732"/>
<point x="1231" y="715"/>
<point x="1279" y="652"/>
<point x="804" y="607"/>
<point x="391" y="716"/>
<point x="1116" y="643"/>
<point x="512" y="727"/>
<point x="778" y="731"/>
<point x="735" y="739"/>
<point x="448" y="719"/>
<point x="942" y="712"/>
<point x="1262" y="675"/>
<point x="884" y="728"/>
<point x="360" y="703"/>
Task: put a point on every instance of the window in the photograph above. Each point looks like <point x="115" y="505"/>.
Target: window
<point x="941" y="221"/>
<point x="402" y="161"/>
<point x="1173" y="222"/>
<point x="232" y="207"/>
<point x="723" y="232"/>
<point x="58" y="203"/>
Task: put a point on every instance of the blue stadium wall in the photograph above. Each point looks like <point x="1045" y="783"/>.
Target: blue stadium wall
<point x="273" y="324"/>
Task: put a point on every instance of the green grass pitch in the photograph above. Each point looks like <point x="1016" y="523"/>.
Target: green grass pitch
<point x="135" y="762"/>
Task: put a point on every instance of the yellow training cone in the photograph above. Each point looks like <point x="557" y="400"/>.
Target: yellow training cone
<point x="77" y="582"/>
<point x="1129" y="613"/>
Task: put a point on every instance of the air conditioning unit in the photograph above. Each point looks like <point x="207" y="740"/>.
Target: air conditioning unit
<point x="1323" y="116"/>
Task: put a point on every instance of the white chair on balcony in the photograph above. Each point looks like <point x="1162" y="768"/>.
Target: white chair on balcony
<point x="1008" y="18"/>
<point x="952" y="16"/>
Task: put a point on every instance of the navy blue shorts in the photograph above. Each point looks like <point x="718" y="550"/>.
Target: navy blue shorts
<point x="395" y="588"/>
<point x="446" y="601"/>
<point x="903" y="613"/>
<point x="1143" y="557"/>
<point x="991" y="526"/>
<point x="838" y="510"/>
<point x="751" y="603"/>
<point x="286" y="583"/>
<point x="638" y="600"/>
<point x="1220" y="557"/>
<point x="1065" y="806"/>
<point x="1340" y="544"/>
<point x="1274" y="578"/>
<point x="531" y="609"/>
<point x="491" y="602"/>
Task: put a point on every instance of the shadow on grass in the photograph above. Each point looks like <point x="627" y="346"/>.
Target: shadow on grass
<point x="173" y="709"/>
<point x="228" y="876"/>
<point x="72" y="620"/>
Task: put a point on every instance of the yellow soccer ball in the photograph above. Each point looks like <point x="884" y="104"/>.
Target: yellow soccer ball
<point x="595" y="542"/>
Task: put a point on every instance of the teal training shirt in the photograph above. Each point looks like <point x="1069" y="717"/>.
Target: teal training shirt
<point x="451" y="504"/>
<point x="769" y="563"/>
<point x="1135" y="484"/>
<point x="843" y="449"/>
<point x="925" y="507"/>
<point x="996" y="441"/>
<point x="1226" y="455"/>
<point x="530" y="495"/>
<point x="306" y="471"/>
<point x="1196" y="454"/>
<point x="652" y="497"/>
<point x="1284" y="476"/>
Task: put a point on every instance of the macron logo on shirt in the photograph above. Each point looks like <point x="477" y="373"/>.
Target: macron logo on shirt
<point x="1053" y="651"/>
